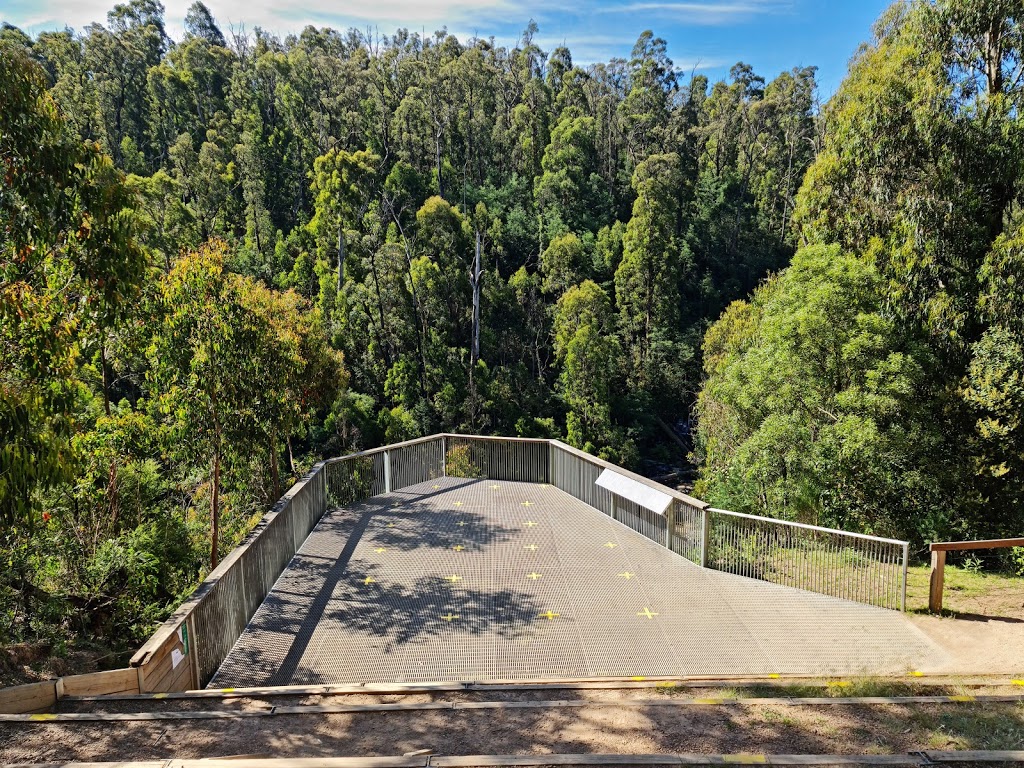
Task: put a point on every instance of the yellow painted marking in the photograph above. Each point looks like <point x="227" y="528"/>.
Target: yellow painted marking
<point x="774" y="676"/>
<point x="531" y="547"/>
<point x="839" y="683"/>
<point x="745" y="759"/>
<point x="549" y="615"/>
<point x="451" y="617"/>
<point x="709" y="701"/>
<point x="627" y="575"/>
<point x="527" y="503"/>
<point x="369" y="580"/>
<point x="43" y="716"/>
<point x="435" y="487"/>
<point x="458" y="503"/>
<point x="458" y="547"/>
<point x="378" y="550"/>
<point x="610" y="544"/>
<point x="530" y="523"/>
<point x="961" y="698"/>
<point x="534" y="576"/>
<point x="665" y="684"/>
<point x="494" y="487"/>
<point x="1017" y="682"/>
<point x="648" y="613"/>
<point x="453" y="578"/>
<point x="159" y="695"/>
<point x="638" y="678"/>
<point x="390" y="525"/>
<point x="915" y="673"/>
<point x="461" y="524"/>
<point x="226" y="690"/>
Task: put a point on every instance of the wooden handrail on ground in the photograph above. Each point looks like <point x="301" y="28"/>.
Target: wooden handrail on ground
<point x="939" y="550"/>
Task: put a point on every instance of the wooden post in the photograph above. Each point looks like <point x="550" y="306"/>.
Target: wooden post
<point x="938" y="575"/>
<point x="705" y="535"/>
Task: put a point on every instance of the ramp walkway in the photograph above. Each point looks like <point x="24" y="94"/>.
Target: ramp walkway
<point x="475" y="580"/>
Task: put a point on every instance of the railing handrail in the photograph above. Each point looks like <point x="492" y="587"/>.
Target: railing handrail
<point x="632" y="475"/>
<point x="496" y="438"/>
<point x="382" y="449"/>
<point x="167" y="627"/>
<point x="805" y="526"/>
<point x="959" y="546"/>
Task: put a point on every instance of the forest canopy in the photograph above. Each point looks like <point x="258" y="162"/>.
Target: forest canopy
<point x="230" y="255"/>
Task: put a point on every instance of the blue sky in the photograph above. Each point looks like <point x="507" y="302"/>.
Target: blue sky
<point x="710" y="35"/>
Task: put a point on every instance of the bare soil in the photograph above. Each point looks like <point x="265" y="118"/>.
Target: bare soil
<point x="982" y="621"/>
<point x="31" y="662"/>
<point x="771" y="726"/>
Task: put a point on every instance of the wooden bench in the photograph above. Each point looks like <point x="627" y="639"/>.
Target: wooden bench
<point x="939" y="550"/>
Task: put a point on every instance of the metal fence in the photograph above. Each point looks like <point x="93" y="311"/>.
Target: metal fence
<point x="852" y="566"/>
<point x="867" y="569"/>
<point x="847" y="565"/>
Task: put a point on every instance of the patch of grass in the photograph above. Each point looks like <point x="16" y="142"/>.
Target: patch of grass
<point x="967" y="591"/>
<point x="973" y="727"/>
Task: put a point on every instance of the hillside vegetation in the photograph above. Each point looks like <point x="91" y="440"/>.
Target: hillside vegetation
<point x="226" y="256"/>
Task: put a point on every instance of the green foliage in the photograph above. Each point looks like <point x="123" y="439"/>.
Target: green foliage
<point x="289" y="272"/>
<point x="811" y="408"/>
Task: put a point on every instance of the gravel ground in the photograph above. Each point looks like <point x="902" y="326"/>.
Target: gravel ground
<point x="764" y="727"/>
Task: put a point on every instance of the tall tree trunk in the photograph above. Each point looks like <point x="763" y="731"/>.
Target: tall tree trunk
<point x="341" y="257"/>
<point x="476" y="302"/>
<point x="215" y="509"/>
<point x="275" y="472"/>
<point x="106" y="378"/>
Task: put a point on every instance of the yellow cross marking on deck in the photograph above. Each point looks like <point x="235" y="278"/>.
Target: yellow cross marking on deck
<point x="390" y="525"/>
<point x="494" y="487"/>
<point x="627" y="575"/>
<point x="453" y="578"/>
<point x="450" y="617"/>
<point x="378" y="550"/>
<point x="549" y="615"/>
<point x="531" y="547"/>
<point x="530" y="523"/>
<point x="534" y="576"/>
<point x="458" y="547"/>
<point x="648" y="613"/>
<point x="527" y="503"/>
<point x="458" y="503"/>
<point x="435" y="487"/>
<point x="610" y="544"/>
<point x="369" y="580"/>
<point x="461" y="523"/>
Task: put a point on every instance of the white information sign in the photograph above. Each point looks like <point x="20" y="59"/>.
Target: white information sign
<point x="638" y="493"/>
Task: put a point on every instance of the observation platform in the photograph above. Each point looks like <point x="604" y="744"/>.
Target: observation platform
<point x="481" y="580"/>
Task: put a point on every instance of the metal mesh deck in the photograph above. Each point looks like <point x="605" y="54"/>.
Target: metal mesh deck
<point x="458" y="579"/>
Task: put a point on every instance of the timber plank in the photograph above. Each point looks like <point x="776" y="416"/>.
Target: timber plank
<point x="101" y="683"/>
<point x="30" y="697"/>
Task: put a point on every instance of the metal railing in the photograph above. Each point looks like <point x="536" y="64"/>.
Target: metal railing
<point x="852" y="566"/>
<point x="203" y="630"/>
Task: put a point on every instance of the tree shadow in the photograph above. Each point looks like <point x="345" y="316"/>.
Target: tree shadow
<point x="319" y="588"/>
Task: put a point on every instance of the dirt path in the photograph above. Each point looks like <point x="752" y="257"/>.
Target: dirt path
<point x="768" y="727"/>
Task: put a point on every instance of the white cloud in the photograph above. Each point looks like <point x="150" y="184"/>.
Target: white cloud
<point x="704" y="13"/>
